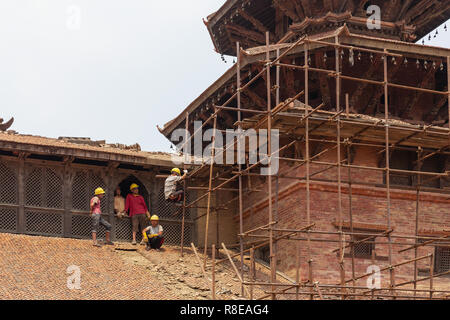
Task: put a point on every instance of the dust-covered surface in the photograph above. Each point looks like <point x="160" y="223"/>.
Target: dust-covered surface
<point x="36" y="268"/>
<point x="33" y="267"/>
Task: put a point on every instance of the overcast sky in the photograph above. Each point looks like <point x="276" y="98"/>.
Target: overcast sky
<point x="107" y="69"/>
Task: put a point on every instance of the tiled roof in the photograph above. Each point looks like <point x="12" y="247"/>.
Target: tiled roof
<point x="54" y="146"/>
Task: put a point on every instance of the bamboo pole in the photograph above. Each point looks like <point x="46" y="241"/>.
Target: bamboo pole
<point x="205" y="277"/>
<point x="252" y="271"/>
<point x="213" y="272"/>
<point x="208" y="210"/>
<point x="185" y="190"/>
<point x="235" y="268"/>
<point x="241" y="205"/>
<point x="269" y="152"/>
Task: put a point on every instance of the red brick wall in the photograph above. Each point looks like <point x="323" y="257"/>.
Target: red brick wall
<point x="369" y="206"/>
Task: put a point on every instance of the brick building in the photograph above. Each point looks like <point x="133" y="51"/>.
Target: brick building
<point x="363" y="120"/>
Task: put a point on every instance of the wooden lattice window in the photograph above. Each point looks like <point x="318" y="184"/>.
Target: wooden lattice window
<point x="442" y="259"/>
<point x="83" y="186"/>
<point x="44" y="188"/>
<point x="8" y="185"/>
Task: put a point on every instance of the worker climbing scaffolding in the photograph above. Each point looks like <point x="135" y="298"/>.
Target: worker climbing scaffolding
<point x="171" y="192"/>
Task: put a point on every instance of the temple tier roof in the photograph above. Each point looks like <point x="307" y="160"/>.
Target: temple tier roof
<point x="246" y="21"/>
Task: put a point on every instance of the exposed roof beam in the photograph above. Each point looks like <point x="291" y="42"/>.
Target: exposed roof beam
<point x="415" y="97"/>
<point x="434" y="111"/>
<point x="245" y="33"/>
<point x="256" y="23"/>
<point x="323" y="79"/>
<point x="259" y="102"/>
<point x="299" y="10"/>
<point x="328" y="4"/>
<point x="419" y="8"/>
<point x="287" y="8"/>
<point x="405" y="7"/>
<point x="362" y="87"/>
<point x="379" y="91"/>
<point x="389" y="9"/>
<point x="306" y="7"/>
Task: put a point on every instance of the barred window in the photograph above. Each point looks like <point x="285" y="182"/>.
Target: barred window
<point x="442" y="259"/>
<point x="363" y="249"/>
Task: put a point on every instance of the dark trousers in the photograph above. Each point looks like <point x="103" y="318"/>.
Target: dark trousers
<point x="177" y="196"/>
<point x="156" y="242"/>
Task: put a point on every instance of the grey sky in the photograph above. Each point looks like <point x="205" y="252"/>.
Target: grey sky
<point x="129" y="66"/>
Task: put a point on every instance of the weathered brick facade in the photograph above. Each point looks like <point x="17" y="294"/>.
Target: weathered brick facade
<point x="369" y="208"/>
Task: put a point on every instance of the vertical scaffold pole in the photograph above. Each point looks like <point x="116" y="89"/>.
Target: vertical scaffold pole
<point x="211" y="169"/>
<point x="308" y="178"/>
<point x="388" y="182"/>
<point x="269" y="154"/>
<point x="241" y="206"/>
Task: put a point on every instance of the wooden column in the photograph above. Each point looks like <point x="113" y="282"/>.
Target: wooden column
<point x="67" y="198"/>
<point x="21" y="187"/>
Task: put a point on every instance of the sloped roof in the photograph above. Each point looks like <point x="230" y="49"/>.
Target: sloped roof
<point x="60" y="147"/>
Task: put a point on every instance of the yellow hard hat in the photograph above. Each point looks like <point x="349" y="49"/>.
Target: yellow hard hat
<point x="177" y="171"/>
<point x="134" y="186"/>
<point x="99" y="191"/>
<point x="154" y="218"/>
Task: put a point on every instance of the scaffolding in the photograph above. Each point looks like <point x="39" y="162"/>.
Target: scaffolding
<point x="314" y="119"/>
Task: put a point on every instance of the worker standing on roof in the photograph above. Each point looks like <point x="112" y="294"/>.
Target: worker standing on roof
<point x="153" y="235"/>
<point x="135" y="205"/>
<point x="97" y="219"/>
<point x="170" y="187"/>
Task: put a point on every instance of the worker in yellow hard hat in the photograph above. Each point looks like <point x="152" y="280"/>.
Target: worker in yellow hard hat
<point x="137" y="210"/>
<point x="153" y="234"/>
<point x="97" y="219"/>
<point x="171" y="192"/>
